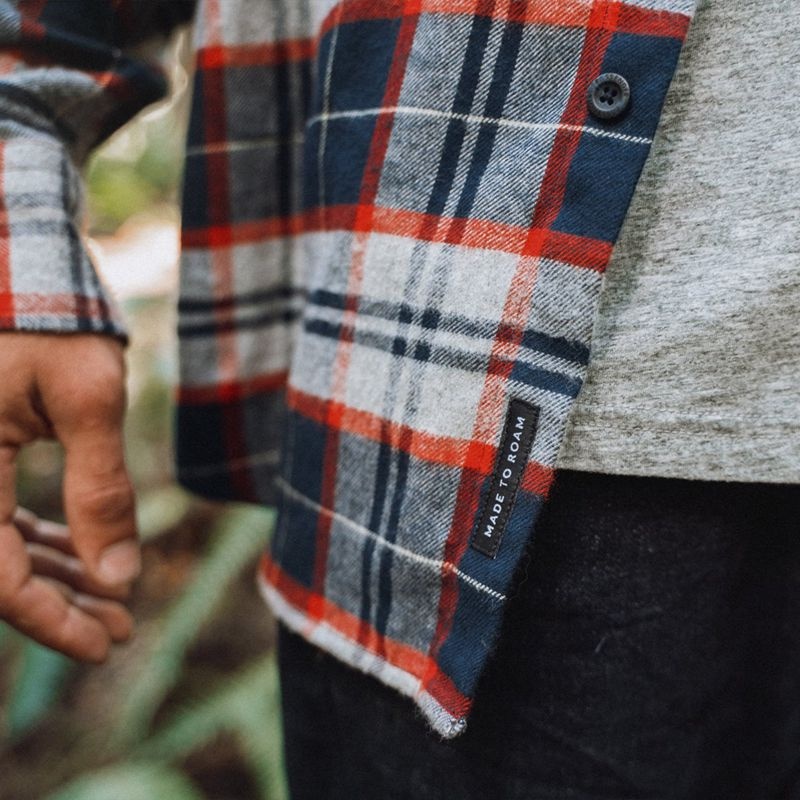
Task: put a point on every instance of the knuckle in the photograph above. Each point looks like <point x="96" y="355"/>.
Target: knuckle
<point x="110" y="504"/>
<point x="99" y="400"/>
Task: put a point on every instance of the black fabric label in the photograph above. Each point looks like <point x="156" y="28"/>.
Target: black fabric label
<point x="515" y="446"/>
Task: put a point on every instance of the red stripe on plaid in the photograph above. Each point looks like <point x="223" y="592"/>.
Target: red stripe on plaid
<point x="119" y="85"/>
<point x="255" y="55"/>
<point x="6" y="290"/>
<point x="30" y="30"/>
<point x="601" y="22"/>
<point x="232" y="391"/>
<point x="567" y="138"/>
<point x="567" y="13"/>
<point x="60" y="305"/>
<point x="483" y="234"/>
<point x="9" y="60"/>
<point x="575" y="14"/>
<point x="353" y="628"/>
<point x="363" y="222"/>
<point x="29" y="26"/>
<point x="218" y="185"/>
<point x="363" y="10"/>
<point x="478" y="457"/>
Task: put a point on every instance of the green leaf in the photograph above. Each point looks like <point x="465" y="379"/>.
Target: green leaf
<point x="133" y="781"/>
<point x="261" y="734"/>
<point x="249" y="706"/>
<point x="161" y="509"/>
<point x="36" y="687"/>
<point x="240" y="534"/>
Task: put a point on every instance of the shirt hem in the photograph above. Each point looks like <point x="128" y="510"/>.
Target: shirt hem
<point x="322" y="635"/>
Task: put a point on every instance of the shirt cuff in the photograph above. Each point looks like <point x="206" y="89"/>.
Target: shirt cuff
<point x="47" y="280"/>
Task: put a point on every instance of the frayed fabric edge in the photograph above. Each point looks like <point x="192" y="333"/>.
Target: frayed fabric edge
<point x="322" y="635"/>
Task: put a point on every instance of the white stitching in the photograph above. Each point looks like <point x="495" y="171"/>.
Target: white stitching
<point x="438" y="566"/>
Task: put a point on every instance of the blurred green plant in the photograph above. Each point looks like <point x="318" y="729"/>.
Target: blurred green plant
<point x="235" y="544"/>
<point x="37" y="686"/>
<point x="139" y="169"/>
<point x="243" y="704"/>
<point x="138" y="172"/>
<point x="143" y="754"/>
<point x="131" y="782"/>
<point x="241" y="707"/>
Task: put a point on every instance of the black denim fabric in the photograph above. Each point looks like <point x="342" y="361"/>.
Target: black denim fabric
<point x="650" y="649"/>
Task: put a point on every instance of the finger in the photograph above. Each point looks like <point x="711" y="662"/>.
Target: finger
<point x="114" y="617"/>
<point x="38" y="609"/>
<point x="42" y="531"/>
<point x="99" y="501"/>
<point x="69" y="570"/>
<point x="85" y="402"/>
<point x="42" y="612"/>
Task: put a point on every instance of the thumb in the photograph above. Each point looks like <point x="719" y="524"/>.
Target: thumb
<point x="85" y="402"/>
<point x="99" y="504"/>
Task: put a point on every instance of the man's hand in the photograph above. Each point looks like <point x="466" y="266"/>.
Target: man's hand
<point x="62" y="586"/>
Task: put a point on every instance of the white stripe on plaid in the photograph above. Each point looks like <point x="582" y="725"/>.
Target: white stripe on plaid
<point x="476" y="119"/>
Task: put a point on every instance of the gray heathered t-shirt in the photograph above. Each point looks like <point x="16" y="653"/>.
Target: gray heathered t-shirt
<point x="695" y="367"/>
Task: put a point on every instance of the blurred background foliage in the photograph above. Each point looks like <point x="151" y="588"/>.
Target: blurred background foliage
<point x="189" y="709"/>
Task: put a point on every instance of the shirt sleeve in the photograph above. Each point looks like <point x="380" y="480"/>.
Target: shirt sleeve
<point x="69" y="77"/>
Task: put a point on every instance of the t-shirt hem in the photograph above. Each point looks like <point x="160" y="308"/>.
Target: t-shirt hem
<point x="732" y="449"/>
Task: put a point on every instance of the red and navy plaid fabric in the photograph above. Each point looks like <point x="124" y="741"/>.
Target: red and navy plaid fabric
<point x="397" y="217"/>
<point x="396" y="220"/>
<point x="67" y="80"/>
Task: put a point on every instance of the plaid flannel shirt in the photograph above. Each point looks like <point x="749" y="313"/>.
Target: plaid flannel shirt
<point x="397" y="214"/>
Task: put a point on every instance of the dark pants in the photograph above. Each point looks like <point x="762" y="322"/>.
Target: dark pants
<point x="650" y="649"/>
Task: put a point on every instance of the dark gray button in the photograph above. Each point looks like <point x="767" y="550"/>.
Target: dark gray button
<point x="609" y="96"/>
